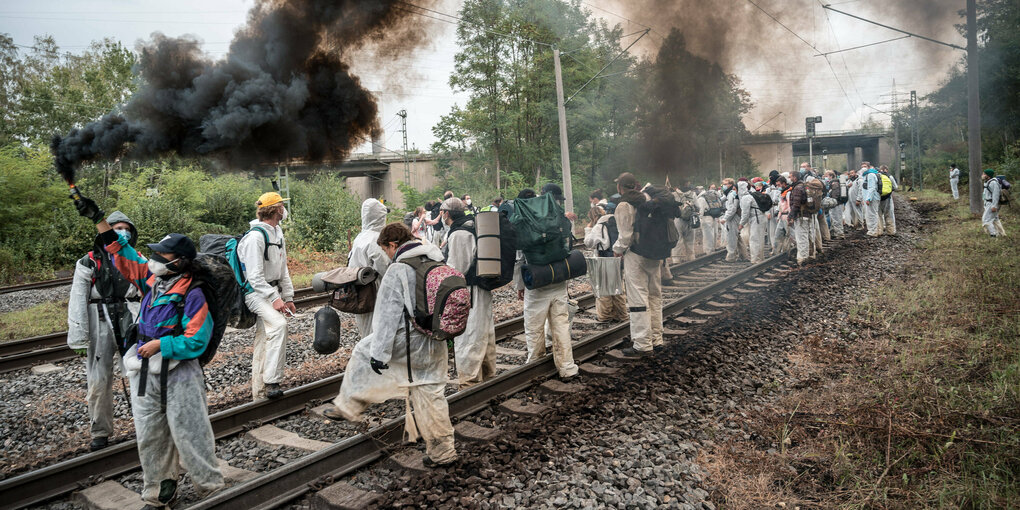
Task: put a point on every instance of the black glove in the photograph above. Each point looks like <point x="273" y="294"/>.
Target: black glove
<point x="88" y="208"/>
<point x="378" y="365"/>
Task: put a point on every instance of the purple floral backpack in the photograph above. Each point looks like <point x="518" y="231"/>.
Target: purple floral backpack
<point x="442" y="299"/>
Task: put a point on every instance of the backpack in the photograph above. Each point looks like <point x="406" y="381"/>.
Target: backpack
<point x="225" y="246"/>
<point x="215" y="277"/>
<point x="409" y="220"/>
<point x="813" y="191"/>
<point x="763" y="200"/>
<point x="655" y="232"/>
<point x="1004" y="186"/>
<point x="886" y="190"/>
<point x="438" y="226"/>
<point x="613" y="233"/>
<point x="507" y="255"/>
<point x="715" y="206"/>
<point x="542" y="229"/>
<point x="442" y="300"/>
<point x="687" y="210"/>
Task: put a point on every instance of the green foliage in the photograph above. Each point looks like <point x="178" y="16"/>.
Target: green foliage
<point x="229" y="204"/>
<point x="324" y="212"/>
<point x="414" y="198"/>
<point x="44" y="91"/>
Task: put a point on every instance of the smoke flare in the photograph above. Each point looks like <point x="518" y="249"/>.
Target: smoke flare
<point x="284" y="90"/>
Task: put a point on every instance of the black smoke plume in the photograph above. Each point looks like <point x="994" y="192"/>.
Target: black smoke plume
<point x="284" y="91"/>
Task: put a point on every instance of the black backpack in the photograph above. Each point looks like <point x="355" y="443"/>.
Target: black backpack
<point x="214" y="276"/>
<point x="715" y="205"/>
<point x="409" y="220"/>
<point x="763" y="200"/>
<point x="435" y="214"/>
<point x="507" y="255"/>
<point x="613" y="234"/>
<point x="655" y="232"/>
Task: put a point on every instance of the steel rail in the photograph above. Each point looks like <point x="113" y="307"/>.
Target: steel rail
<point x="295" y="479"/>
<point x="66" y="476"/>
<point x="35" y="285"/>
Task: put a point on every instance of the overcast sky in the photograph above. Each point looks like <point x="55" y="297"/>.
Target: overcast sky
<point x="865" y="75"/>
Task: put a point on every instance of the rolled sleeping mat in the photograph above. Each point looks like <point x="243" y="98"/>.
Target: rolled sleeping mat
<point x="326" y="338"/>
<point x="329" y="280"/>
<point x="487" y="233"/>
<point x="535" y="276"/>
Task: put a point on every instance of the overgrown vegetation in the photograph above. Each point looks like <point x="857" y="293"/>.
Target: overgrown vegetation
<point x="41" y="319"/>
<point x="918" y="405"/>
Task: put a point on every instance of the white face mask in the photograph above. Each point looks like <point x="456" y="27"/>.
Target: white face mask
<point x="283" y="216"/>
<point x="468" y="201"/>
<point x="158" y="268"/>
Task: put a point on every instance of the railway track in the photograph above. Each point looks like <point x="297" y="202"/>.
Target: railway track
<point x="24" y="353"/>
<point x="35" y="285"/>
<point x="698" y="280"/>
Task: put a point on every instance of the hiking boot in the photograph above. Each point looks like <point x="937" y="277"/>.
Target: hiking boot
<point x="167" y="492"/>
<point x="98" y="443"/>
<point x="273" y="390"/>
<point x="631" y="352"/>
<point x="429" y="463"/>
<point x="334" y="413"/>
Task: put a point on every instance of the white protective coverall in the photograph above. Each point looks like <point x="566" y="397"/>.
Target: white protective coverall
<point x="428" y="414"/>
<point x="270" y="279"/>
<point x="684" y="249"/>
<point x="610" y="303"/>
<point x="87" y="330"/>
<point x="954" y="182"/>
<point x="870" y="193"/>
<point x="887" y="211"/>
<point x="644" y="288"/>
<point x="474" y="351"/>
<point x="775" y="194"/>
<point x="836" y="213"/>
<point x="990" y="197"/>
<point x="782" y="240"/>
<point x="856" y="217"/>
<point x="708" y="226"/>
<point x="732" y="235"/>
<point x="366" y="253"/>
<point x="754" y="222"/>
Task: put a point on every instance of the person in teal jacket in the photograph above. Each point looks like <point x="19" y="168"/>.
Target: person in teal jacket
<point x="173" y="328"/>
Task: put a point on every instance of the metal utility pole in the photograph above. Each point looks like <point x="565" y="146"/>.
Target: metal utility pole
<point x="564" y="147"/>
<point x="403" y="129"/>
<point x="809" y="127"/>
<point x="915" y="141"/>
<point x="973" y="110"/>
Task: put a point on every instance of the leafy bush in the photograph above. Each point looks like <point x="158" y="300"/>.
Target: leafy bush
<point x="230" y="203"/>
<point x="324" y="212"/>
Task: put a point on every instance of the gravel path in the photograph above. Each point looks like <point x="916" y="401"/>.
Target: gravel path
<point x="14" y="301"/>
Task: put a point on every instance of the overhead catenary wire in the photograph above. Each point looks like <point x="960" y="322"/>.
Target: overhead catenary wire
<point x="618" y="55"/>
<point x="862" y="46"/>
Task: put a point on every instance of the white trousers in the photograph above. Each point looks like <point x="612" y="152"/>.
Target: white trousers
<point x="475" y="350"/>
<point x="954" y="184"/>
<point x="100" y="358"/>
<point x="549" y="302"/>
<point x="887" y="214"/>
<point x="732" y="240"/>
<point x="802" y="235"/>
<point x="991" y="222"/>
<point x="782" y="237"/>
<point x="872" y="218"/>
<point x="270" y="350"/>
<point x="836" y="215"/>
<point x="644" y="300"/>
<point x="708" y="231"/>
<point x="181" y="436"/>
<point x="756" y="237"/>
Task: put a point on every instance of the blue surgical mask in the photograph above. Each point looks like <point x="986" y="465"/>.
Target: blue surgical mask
<point x="123" y="236"/>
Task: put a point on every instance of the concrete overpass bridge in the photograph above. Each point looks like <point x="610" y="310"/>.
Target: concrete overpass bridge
<point x="845" y="149"/>
<point x="375" y="175"/>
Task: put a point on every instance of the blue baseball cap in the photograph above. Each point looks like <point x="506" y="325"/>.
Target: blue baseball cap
<point x="178" y="244"/>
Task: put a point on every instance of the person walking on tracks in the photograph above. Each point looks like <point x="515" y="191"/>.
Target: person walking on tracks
<point x="548" y="303"/>
<point x="101" y="307"/>
<point x="397" y="360"/>
<point x="365" y="252"/>
<point x="871" y="196"/>
<point x="174" y="327"/>
<point x="642" y="255"/>
<point x="474" y="351"/>
<point x="730" y="219"/>
<point x="799" y="220"/>
<point x="263" y="255"/>
<point x="886" y="206"/>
